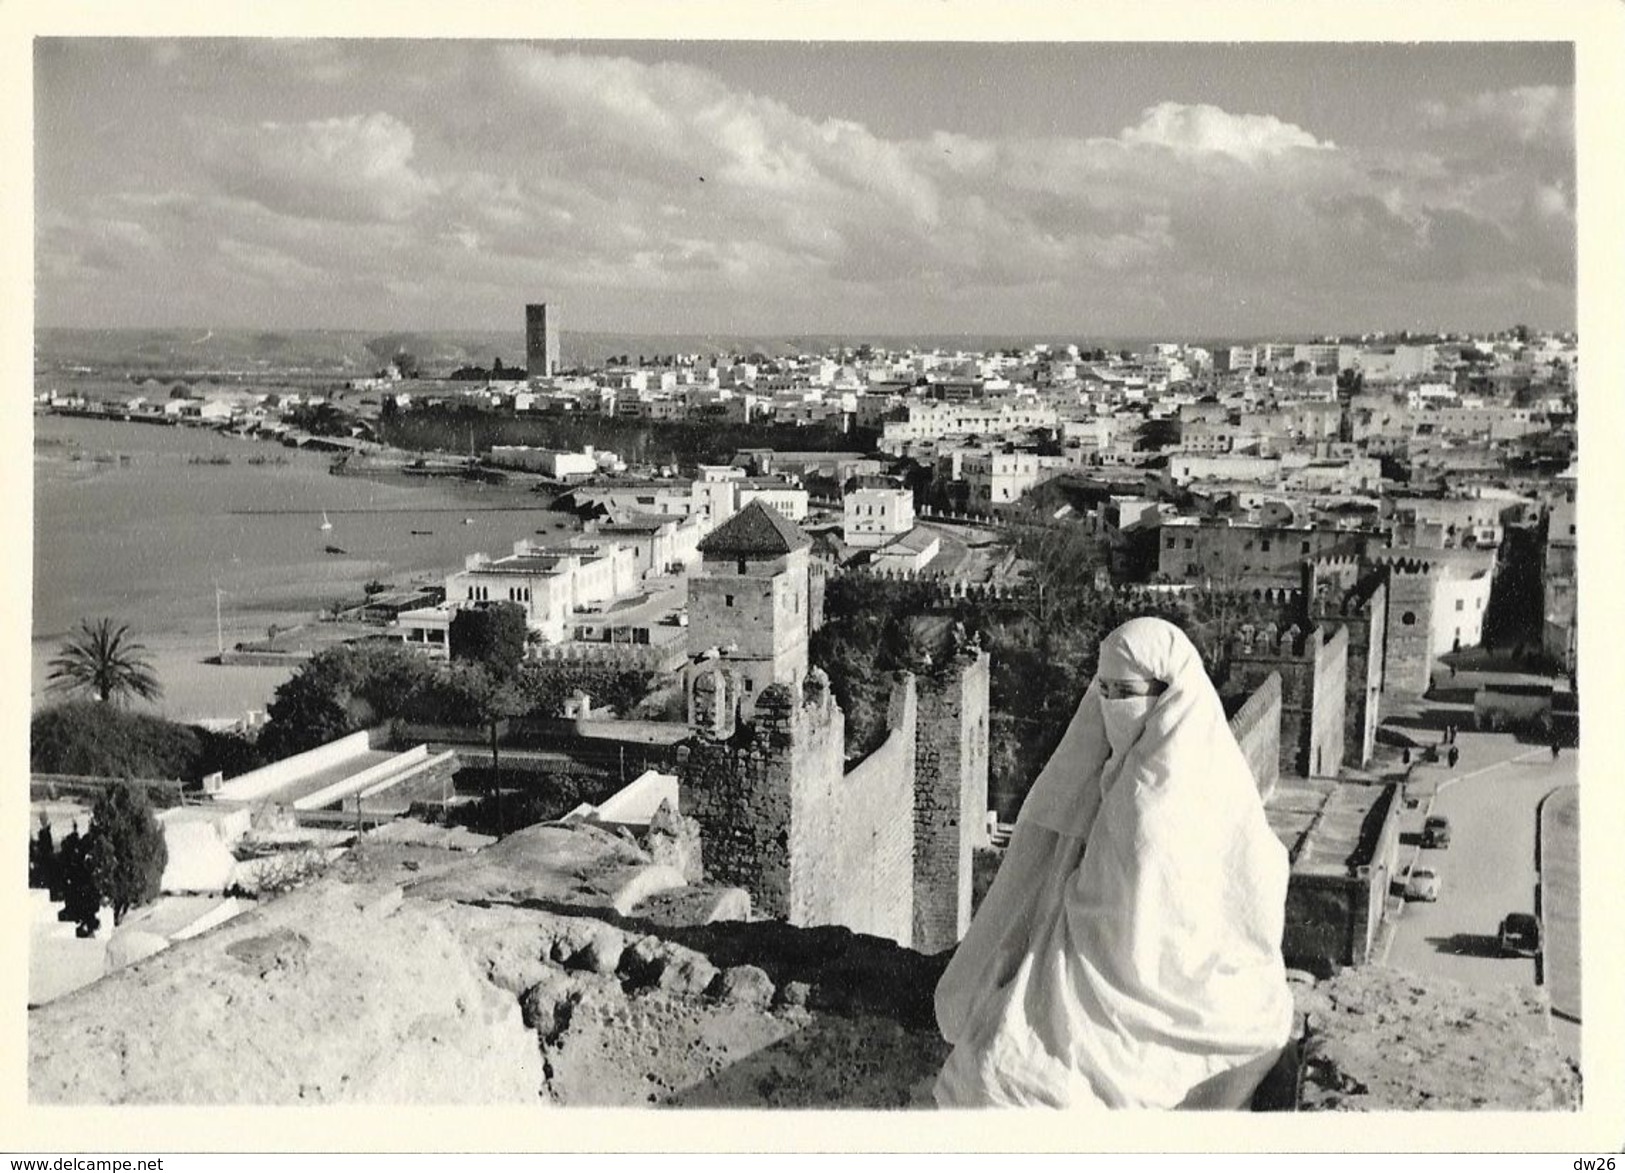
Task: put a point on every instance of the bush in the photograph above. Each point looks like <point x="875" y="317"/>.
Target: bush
<point x="126" y="850"/>
<point x="88" y="737"/>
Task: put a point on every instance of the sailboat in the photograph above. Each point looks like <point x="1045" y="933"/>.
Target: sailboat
<point x="326" y="525"/>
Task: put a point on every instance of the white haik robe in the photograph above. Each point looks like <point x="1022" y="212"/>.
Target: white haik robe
<point x="1128" y="954"/>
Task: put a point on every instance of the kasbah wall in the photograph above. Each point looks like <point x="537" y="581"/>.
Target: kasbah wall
<point x="886" y="848"/>
<point x="1256" y="727"/>
<point x="950" y="797"/>
<point x="852" y="835"/>
<point x="1332" y="919"/>
<point x="1313" y="667"/>
<point x="1336" y="593"/>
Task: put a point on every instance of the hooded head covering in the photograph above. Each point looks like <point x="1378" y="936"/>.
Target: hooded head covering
<point x="1130" y="949"/>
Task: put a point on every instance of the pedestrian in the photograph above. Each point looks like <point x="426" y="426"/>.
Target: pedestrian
<point x="1452" y="671"/>
<point x="1407" y="755"/>
<point x="1454" y="755"/>
<point x="1128" y="954"/>
<point x="1556" y="749"/>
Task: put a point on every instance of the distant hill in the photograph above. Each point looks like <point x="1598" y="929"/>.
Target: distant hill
<point x="356" y="353"/>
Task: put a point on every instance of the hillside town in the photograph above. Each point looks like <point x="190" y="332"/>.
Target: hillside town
<point x="1375" y="537"/>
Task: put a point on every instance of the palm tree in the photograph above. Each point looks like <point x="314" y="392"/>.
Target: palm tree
<point x="102" y="660"/>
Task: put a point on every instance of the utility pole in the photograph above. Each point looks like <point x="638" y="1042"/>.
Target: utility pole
<point x="219" y="636"/>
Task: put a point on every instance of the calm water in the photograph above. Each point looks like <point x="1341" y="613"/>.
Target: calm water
<point x="147" y="541"/>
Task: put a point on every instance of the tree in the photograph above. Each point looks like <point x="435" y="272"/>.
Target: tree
<point x="469" y="693"/>
<point x="339" y="691"/>
<point x="492" y="635"/>
<point x="126" y="850"/>
<point x="102" y="660"/>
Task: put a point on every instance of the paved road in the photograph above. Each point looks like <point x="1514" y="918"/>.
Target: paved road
<point x="1489" y="868"/>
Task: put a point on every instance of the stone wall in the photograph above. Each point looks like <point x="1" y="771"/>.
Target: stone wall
<point x="1341" y="591"/>
<point x="1325" y="923"/>
<point x="852" y="838"/>
<point x="1257" y="729"/>
<point x="781" y="818"/>
<point x="1328" y="702"/>
<point x="1313" y="667"/>
<point x="1332" y="918"/>
<point x="162" y="793"/>
<point x="950" y="798"/>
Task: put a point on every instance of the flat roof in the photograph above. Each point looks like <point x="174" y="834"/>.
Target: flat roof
<point x="522" y="564"/>
<point x="1323" y="823"/>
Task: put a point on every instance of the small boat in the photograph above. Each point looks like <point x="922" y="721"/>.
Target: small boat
<point x="326" y="525"/>
<point x="420" y="533"/>
<point x="333" y="549"/>
<point x="468" y="521"/>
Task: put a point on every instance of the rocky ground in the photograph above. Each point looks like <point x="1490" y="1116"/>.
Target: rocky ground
<point x="575" y="967"/>
<point x="1382" y="1039"/>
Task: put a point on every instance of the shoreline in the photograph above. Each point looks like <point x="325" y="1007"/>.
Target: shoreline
<point x="194" y="690"/>
<point x="147" y="541"/>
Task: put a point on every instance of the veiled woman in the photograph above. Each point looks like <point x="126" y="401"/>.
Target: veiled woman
<point x="1128" y="954"/>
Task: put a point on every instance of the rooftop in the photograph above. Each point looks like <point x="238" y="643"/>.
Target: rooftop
<point x="916" y="540"/>
<point x="520" y="564"/>
<point x="757" y="529"/>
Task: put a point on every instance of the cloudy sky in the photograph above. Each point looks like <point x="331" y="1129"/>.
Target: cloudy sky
<point x="1095" y="189"/>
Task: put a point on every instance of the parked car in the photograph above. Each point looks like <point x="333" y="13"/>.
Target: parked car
<point x="1519" y="935"/>
<point x="1423" y="884"/>
<point x="1436" y="831"/>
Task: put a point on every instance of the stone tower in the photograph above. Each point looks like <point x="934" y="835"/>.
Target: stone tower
<point x="1412" y="586"/>
<point x="541" y="339"/>
<point x="748" y="611"/>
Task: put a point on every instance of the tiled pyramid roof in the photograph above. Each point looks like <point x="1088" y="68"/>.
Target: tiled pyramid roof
<point x="758" y="529"/>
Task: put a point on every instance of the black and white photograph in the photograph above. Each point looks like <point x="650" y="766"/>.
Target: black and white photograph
<point x="796" y="573"/>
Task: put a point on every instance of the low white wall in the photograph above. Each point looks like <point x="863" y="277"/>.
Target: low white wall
<point x="267" y="780"/>
<point x="359" y="781"/>
<point x="636" y="803"/>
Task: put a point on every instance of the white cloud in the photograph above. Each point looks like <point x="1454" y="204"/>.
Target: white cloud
<point x="661" y="190"/>
<point x="1527" y="114"/>
<point x="357" y="167"/>
<point x="1210" y="130"/>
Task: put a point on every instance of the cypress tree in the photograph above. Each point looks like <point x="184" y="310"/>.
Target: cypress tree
<point x="126" y="850"/>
